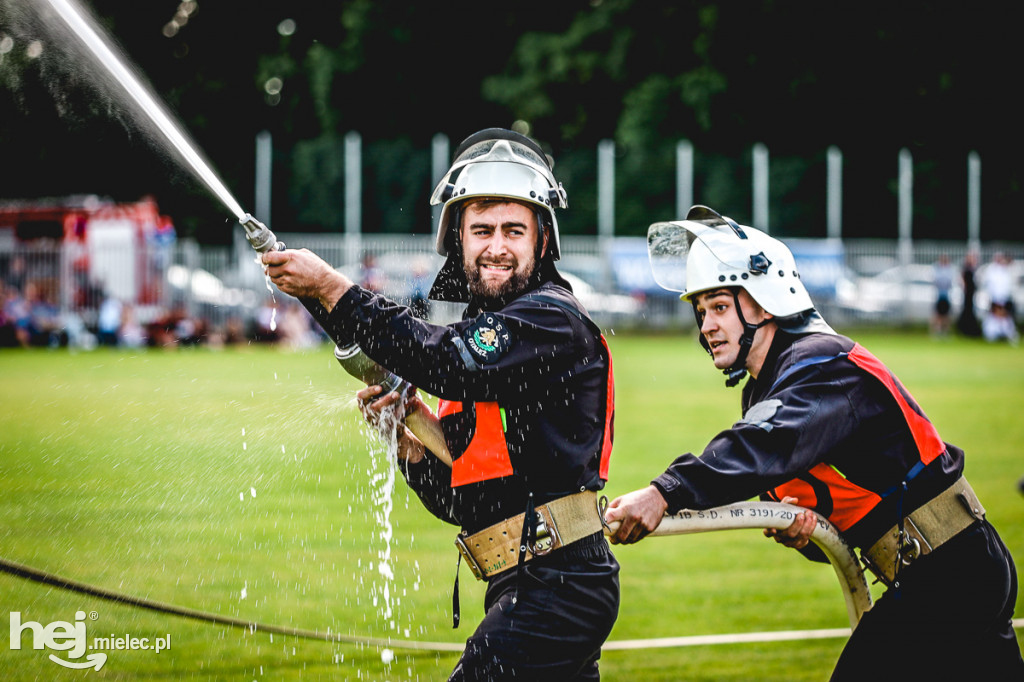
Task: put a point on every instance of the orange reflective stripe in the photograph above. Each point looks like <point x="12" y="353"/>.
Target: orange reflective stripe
<point x="447" y="407"/>
<point x="929" y="444"/>
<point x="850" y="502"/>
<point x="609" y="417"/>
<point x="801" y="490"/>
<point x="486" y="457"/>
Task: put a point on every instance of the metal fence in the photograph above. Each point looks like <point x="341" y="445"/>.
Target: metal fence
<point x="187" y="293"/>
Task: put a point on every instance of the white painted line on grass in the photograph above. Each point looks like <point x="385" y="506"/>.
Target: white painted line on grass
<point x="738" y="638"/>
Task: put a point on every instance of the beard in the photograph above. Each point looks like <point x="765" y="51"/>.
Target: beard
<point x="499" y="292"/>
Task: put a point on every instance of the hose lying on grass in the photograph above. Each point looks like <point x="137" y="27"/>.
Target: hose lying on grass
<point x="733" y="516"/>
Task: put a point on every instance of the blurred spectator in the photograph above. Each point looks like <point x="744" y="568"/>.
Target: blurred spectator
<point x="45" y="328"/>
<point x="108" y="323"/>
<point x="16" y="277"/>
<point x="188" y="331"/>
<point x="999" y="325"/>
<point x="16" y="311"/>
<point x="1000" y="321"/>
<point x="78" y="335"/>
<point x="296" y="327"/>
<point x="999" y="283"/>
<point x="942" y="277"/>
<point x="8" y="329"/>
<point x="967" y="324"/>
<point x="371" y="277"/>
<point x="130" y="333"/>
<point x="160" y="332"/>
<point x="234" y="331"/>
<point x="420" y="289"/>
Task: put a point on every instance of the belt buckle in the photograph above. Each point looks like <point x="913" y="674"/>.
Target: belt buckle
<point x="546" y="536"/>
<point x="913" y="543"/>
<point x="468" y="556"/>
<point x="880" y="575"/>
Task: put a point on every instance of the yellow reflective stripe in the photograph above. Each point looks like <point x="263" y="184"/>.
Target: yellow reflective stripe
<point x="832" y="466"/>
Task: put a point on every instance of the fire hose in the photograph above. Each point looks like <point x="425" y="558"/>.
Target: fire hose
<point x="427" y="428"/>
<point x="777" y="515"/>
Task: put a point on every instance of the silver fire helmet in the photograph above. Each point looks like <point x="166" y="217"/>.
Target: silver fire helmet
<point x="499" y="163"/>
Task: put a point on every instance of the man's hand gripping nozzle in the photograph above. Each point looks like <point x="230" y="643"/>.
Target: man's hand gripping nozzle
<point x="351" y="357"/>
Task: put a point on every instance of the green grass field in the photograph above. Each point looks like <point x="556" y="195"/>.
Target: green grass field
<point x="242" y="482"/>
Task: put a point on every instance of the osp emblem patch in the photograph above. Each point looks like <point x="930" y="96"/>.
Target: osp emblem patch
<point x="488" y="338"/>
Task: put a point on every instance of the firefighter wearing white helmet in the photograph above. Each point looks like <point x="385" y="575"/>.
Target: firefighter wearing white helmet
<point x="827" y="426"/>
<point x="708" y="251"/>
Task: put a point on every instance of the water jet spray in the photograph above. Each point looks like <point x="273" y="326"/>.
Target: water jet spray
<point x="137" y="96"/>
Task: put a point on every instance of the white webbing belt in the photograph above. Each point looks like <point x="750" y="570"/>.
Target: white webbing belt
<point x="924" y="530"/>
<point x="561" y="522"/>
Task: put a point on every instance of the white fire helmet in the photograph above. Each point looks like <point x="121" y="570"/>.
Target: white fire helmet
<point x="709" y="251"/>
<point x="502" y="164"/>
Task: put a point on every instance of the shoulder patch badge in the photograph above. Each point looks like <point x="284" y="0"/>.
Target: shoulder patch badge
<point x="487" y="338"/>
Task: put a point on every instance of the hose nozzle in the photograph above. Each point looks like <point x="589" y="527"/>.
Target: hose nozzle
<point x="259" y="235"/>
<point x="356" y="363"/>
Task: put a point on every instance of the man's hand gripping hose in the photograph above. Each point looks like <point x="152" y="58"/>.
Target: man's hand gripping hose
<point x="349" y="355"/>
<point x="773" y="515"/>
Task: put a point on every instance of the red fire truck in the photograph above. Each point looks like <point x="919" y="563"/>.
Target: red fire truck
<point x="77" y="250"/>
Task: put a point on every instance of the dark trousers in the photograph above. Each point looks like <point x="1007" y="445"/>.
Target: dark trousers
<point x="950" y="618"/>
<point x="564" y="608"/>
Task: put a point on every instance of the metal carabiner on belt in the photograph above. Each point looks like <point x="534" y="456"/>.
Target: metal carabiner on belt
<point x="543" y="538"/>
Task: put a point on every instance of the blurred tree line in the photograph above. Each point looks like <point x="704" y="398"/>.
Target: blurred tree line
<point x="870" y="78"/>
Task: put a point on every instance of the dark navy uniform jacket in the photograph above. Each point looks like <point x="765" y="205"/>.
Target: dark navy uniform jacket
<point x="827" y="423"/>
<point x="527" y="398"/>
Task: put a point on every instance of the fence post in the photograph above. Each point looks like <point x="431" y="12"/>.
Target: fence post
<point x="190" y="252"/>
<point x="906" y="205"/>
<point x="606" y="189"/>
<point x="834" y="189"/>
<point x="761" y="187"/>
<point x="906" y="211"/>
<point x="353" y="196"/>
<point x="684" y="178"/>
<point x="264" y="159"/>
<point x="974" y="202"/>
<point x="606" y="207"/>
<point x="439" y="151"/>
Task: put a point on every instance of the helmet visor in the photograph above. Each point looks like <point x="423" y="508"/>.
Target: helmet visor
<point x="668" y="244"/>
<point x="501" y="151"/>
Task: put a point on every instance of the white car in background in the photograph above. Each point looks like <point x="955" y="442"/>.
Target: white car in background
<point x="908" y="292"/>
<point x="601" y="304"/>
<point x="901" y="291"/>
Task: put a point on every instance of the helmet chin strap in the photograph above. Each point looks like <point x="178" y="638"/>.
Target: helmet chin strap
<point x="738" y="370"/>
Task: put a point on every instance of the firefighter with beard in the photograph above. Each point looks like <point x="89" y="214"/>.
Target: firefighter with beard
<point x="526" y="405"/>
<point x="827" y="426"/>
